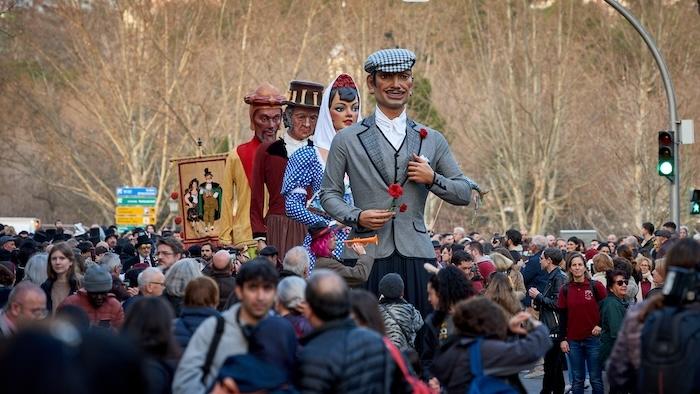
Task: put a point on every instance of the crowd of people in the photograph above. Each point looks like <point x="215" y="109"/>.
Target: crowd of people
<point x="208" y="320"/>
<point x="345" y="289"/>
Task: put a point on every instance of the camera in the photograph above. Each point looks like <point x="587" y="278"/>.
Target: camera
<point x="681" y="286"/>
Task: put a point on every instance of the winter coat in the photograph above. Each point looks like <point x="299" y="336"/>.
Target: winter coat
<point x="188" y="322"/>
<point x="401" y="321"/>
<point x="533" y="276"/>
<point x="110" y="314"/>
<point x="188" y="376"/>
<point x="159" y="375"/>
<point x="438" y="328"/>
<point x="342" y="358"/>
<point x="612" y="313"/>
<point x="48" y="286"/>
<point x="546" y="301"/>
<point x="498" y="358"/>
<point x="175" y="301"/>
<point x="227" y="284"/>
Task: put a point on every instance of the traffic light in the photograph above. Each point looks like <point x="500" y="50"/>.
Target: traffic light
<point x="695" y="202"/>
<point x="667" y="151"/>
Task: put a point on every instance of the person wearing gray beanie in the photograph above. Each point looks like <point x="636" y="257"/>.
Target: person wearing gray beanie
<point x="401" y="319"/>
<point x="391" y="286"/>
<point x="94" y="298"/>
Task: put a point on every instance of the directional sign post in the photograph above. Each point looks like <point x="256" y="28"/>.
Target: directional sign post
<point x="136" y="207"/>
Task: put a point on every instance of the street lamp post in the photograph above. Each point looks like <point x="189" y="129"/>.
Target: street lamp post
<point x="670" y="98"/>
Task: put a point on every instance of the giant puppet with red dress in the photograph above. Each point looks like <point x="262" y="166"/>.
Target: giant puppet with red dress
<point x="265" y="118"/>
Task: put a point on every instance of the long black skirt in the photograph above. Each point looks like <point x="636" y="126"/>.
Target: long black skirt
<point x="414" y="275"/>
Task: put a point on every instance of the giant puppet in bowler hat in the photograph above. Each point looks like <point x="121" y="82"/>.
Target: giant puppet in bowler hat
<point x="393" y="162"/>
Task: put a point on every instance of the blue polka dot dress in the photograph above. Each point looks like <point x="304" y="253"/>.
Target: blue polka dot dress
<point x="305" y="172"/>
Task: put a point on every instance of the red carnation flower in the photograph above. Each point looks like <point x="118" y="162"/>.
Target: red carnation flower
<point x="423" y="133"/>
<point x="403" y="208"/>
<point x="174" y="195"/>
<point x="395" y="190"/>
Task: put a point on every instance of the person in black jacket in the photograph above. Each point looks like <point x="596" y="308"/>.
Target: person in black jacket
<point x="221" y="270"/>
<point x="200" y="302"/>
<point x="546" y="303"/>
<point x="338" y="356"/>
<point x="501" y="358"/>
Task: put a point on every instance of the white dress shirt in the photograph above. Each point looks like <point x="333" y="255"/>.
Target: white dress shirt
<point x="393" y="129"/>
<point x="293" y="145"/>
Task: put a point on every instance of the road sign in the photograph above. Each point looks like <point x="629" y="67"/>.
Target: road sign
<point x="137" y="192"/>
<point x="145" y="201"/>
<point x="134" y="220"/>
<point x="135" y="210"/>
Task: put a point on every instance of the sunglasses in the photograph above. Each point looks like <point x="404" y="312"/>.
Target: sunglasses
<point x="622" y="282"/>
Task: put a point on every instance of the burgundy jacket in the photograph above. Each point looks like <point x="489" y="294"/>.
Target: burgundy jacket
<point x="110" y="314"/>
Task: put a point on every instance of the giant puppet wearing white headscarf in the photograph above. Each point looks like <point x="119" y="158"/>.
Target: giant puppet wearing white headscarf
<point x="340" y="108"/>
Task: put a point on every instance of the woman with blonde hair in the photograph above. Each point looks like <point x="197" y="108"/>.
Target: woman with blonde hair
<point x="602" y="263"/>
<point x="646" y="282"/>
<point x="500" y="291"/>
<point x="505" y="264"/>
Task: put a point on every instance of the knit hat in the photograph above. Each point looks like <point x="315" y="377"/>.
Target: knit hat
<point x="391" y="286"/>
<point x="97" y="280"/>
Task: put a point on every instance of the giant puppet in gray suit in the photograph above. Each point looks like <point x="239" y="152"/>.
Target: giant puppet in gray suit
<point x="386" y="149"/>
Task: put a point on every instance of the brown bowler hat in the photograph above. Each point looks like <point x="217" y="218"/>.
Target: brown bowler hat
<point x="305" y="94"/>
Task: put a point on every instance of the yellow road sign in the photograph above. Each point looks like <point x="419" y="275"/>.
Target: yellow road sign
<point x="135" y="220"/>
<point x="135" y="211"/>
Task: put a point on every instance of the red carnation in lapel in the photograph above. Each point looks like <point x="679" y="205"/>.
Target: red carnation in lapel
<point x="395" y="190"/>
<point x="423" y="133"/>
<point x="403" y="208"/>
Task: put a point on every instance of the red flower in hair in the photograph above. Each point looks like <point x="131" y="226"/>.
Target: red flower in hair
<point x="403" y="208"/>
<point x="344" y="81"/>
<point x="395" y="190"/>
<point x="423" y="133"/>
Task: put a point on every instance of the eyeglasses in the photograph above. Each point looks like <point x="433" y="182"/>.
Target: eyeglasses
<point x="622" y="282"/>
<point x="158" y="283"/>
<point x="38" y="313"/>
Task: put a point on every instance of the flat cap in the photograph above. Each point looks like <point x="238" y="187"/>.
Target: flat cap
<point x="394" y="60"/>
<point x="663" y="233"/>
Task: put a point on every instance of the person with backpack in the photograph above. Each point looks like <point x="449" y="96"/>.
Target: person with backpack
<point x="225" y="335"/>
<point x="580" y="323"/>
<point x="401" y="319"/>
<point x="657" y="346"/>
<point x="546" y="303"/>
<point x="479" y="359"/>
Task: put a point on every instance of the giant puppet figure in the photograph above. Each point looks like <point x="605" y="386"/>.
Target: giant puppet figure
<point x="393" y="163"/>
<point x="300" y="117"/>
<point x="265" y="119"/>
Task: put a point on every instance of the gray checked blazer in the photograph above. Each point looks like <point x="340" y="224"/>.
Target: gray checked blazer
<point x="363" y="153"/>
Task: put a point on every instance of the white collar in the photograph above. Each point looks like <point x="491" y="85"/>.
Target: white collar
<point x="393" y="129"/>
<point x="292" y="144"/>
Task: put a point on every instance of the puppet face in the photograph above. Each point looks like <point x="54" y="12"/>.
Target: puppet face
<point x="391" y="90"/>
<point x="266" y="122"/>
<point x="303" y="122"/>
<point x="344" y="113"/>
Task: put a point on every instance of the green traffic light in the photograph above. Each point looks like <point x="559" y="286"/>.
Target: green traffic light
<point x="665" y="168"/>
<point x="695" y="208"/>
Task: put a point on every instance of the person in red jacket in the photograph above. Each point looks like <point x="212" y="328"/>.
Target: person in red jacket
<point x="94" y="298"/>
<point x="580" y="323"/>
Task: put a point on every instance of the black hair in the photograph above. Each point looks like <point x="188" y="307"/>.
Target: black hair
<point x="344" y="93"/>
<point x="457" y="247"/>
<point x="365" y="309"/>
<point x="173" y="243"/>
<point x="327" y="304"/>
<point x="649" y="227"/>
<point x="514" y="236"/>
<point x="189" y="185"/>
<point x="624" y="265"/>
<point x="670" y="225"/>
<point x="603" y="245"/>
<point x="611" y="274"/>
<point x="459" y="256"/>
<point x="554" y="254"/>
<point x="477" y="245"/>
<point x="148" y="323"/>
<point x="453" y="287"/>
<point x="259" y="269"/>
<point x="573" y="239"/>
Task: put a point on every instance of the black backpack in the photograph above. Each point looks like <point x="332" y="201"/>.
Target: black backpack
<point x="671" y="351"/>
